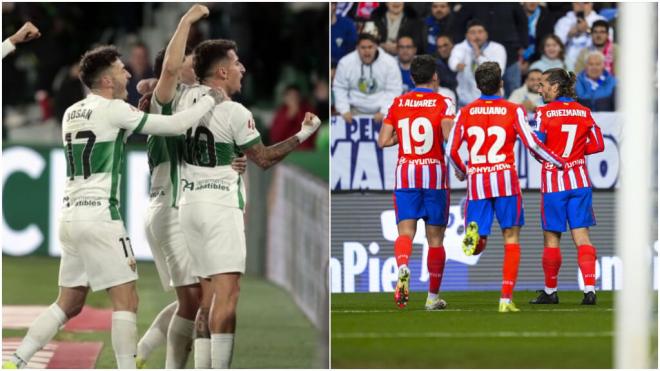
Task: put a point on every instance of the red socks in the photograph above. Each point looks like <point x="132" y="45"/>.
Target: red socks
<point x="551" y="265"/>
<point x="435" y="262"/>
<point x="402" y="250"/>
<point x="510" y="269"/>
<point x="481" y="245"/>
<point x="587" y="263"/>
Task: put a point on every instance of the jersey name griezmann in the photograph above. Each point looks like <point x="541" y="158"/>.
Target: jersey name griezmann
<point x="566" y="112"/>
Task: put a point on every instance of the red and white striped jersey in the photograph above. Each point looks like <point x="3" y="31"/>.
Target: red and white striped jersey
<point x="417" y="117"/>
<point x="569" y="130"/>
<point x="490" y="126"/>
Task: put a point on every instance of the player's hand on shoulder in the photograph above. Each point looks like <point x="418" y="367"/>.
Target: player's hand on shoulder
<point x="239" y="164"/>
<point x="24" y="34"/>
<point x="195" y="13"/>
<point x="218" y="94"/>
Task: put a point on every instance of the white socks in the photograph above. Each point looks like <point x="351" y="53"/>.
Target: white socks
<point x="157" y="332"/>
<point x="202" y="353"/>
<point x="222" y="346"/>
<point x="505" y="301"/>
<point x="432" y="296"/>
<point x="124" y="338"/>
<point x="179" y="341"/>
<point x="589" y="288"/>
<point x="41" y="331"/>
<point x="549" y="290"/>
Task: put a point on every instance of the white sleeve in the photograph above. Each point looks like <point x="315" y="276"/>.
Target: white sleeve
<point x="340" y="87"/>
<point x="7" y="47"/>
<point x="128" y="117"/>
<point x="562" y="27"/>
<point x="243" y="128"/>
<point x="456" y="57"/>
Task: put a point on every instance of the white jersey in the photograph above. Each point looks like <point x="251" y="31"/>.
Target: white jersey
<point x="211" y="145"/>
<point x="164" y="155"/>
<point x="94" y="131"/>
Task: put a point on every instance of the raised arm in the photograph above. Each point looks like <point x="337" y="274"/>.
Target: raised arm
<point x="532" y="142"/>
<point x="266" y="157"/>
<point x="175" y="53"/>
<point x="26" y="33"/>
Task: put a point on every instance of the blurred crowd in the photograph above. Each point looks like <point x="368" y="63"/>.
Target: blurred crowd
<point x="40" y="79"/>
<point x="373" y="44"/>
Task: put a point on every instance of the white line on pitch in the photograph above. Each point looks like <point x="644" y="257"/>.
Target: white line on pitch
<point x="499" y="334"/>
<point x="358" y="311"/>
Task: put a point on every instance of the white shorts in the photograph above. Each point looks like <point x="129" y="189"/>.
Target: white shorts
<point x="215" y="236"/>
<point x="97" y="254"/>
<point x="168" y="246"/>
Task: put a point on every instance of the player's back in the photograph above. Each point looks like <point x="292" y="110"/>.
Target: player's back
<point x="210" y="147"/>
<point x="567" y="127"/>
<point x="94" y="151"/>
<point x="417" y="116"/>
<point x="490" y="126"/>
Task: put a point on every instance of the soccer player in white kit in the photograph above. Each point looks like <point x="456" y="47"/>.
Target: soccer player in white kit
<point x="96" y="250"/>
<point x="213" y="195"/>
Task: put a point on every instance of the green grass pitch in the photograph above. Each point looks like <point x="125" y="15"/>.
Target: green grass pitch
<point x="369" y="331"/>
<point x="271" y="331"/>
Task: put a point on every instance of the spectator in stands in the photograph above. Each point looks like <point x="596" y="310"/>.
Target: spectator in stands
<point x="139" y="67"/>
<point x="540" y="23"/>
<point x="67" y="89"/>
<point x="573" y="30"/>
<point x="553" y="54"/>
<point x="468" y="55"/>
<point x="439" y="22"/>
<point x="289" y="116"/>
<point x="600" y="41"/>
<point x="406" y="51"/>
<point x="447" y="77"/>
<point x="343" y="35"/>
<point x="366" y="80"/>
<point x="395" y="20"/>
<point x="321" y="99"/>
<point x="527" y="94"/>
<point x="507" y="25"/>
<point x="595" y="87"/>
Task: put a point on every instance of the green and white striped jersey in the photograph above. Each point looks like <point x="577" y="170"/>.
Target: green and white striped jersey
<point x="211" y="145"/>
<point x="94" y="131"/>
<point x="164" y="154"/>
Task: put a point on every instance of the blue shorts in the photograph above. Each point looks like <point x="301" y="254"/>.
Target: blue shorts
<point x="432" y="205"/>
<point x="574" y="206"/>
<point x="509" y="211"/>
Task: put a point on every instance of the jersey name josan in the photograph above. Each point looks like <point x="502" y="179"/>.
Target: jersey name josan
<point x="94" y="132"/>
<point x="416" y="117"/>
<point x="210" y="146"/>
<point x="568" y="127"/>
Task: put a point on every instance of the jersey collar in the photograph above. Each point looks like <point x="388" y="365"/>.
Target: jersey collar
<point x="565" y="99"/>
<point x="489" y="97"/>
<point x="423" y="90"/>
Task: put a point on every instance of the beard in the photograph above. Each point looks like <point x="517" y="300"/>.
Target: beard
<point x="119" y="90"/>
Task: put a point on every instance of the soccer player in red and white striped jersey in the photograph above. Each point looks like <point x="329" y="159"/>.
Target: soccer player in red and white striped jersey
<point x="490" y="125"/>
<point x="419" y="121"/>
<point x="568" y="128"/>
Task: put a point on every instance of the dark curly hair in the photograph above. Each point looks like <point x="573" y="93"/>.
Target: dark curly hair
<point x="488" y="76"/>
<point x="208" y="53"/>
<point x="95" y="61"/>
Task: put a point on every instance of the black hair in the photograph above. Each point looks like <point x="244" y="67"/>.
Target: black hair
<point x="488" y="76"/>
<point x="600" y="23"/>
<point x="565" y="79"/>
<point x="160" y="58"/>
<point x="367" y="36"/>
<point x="475" y="22"/>
<point x="96" y="61"/>
<point x="208" y="53"/>
<point x="422" y="69"/>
